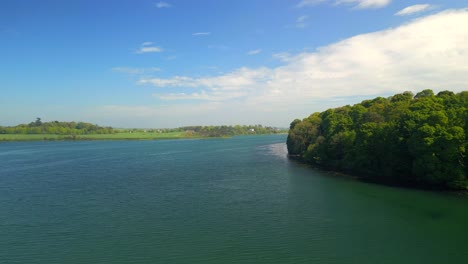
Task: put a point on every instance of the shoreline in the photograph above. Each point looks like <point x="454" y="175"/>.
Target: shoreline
<point x="349" y="175"/>
<point x="110" y="137"/>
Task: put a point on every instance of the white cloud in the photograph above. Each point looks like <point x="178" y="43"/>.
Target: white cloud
<point x="219" y="47"/>
<point x="363" y="4"/>
<point x="410" y="10"/>
<point x="177" y="81"/>
<point x="301" y="22"/>
<point x="234" y="81"/>
<point x="305" y="3"/>
<point x="301" y="19"/>
<point x="203" y="95"/>
<point x="427" y="53"/>
<point x="135" y="71"/>
<point x="148" y="47"/>
<point x="254" y="52"/>
<point x="201" y="33"/>
<point x="360" y="4"/>
<point x="282" y="56"/>
<point x="162" y="5"/>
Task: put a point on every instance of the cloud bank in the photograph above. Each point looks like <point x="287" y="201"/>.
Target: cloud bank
<point x="427" y="53"/>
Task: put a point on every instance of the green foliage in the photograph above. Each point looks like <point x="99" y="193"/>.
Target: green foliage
<point x="228" y="131"/>
<point x="39" y="130"/>
<point x="418" y="141"/>
<point x="57" y="128"/>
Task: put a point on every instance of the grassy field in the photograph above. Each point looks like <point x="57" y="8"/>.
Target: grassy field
<point x="116" y="136"/>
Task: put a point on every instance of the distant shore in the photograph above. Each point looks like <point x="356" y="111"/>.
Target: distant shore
<point x="114" y="136"/>
<point x="60" y="131"/>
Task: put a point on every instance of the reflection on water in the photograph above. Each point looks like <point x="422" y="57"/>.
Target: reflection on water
<point x="278" y="150"/>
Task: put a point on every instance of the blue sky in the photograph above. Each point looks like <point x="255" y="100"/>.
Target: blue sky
<point x="209" y="62"/>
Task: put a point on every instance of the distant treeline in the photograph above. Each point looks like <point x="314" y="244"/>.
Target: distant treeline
<point x="82" y="128"/>
<point x="219" y="131"/>
<point x="404" y="139"/>
<point x="56" y="127"/>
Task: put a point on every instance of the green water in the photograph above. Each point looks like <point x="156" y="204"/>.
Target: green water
<point x="236" y="200"/>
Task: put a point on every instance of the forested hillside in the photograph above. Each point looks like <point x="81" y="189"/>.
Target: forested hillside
<point x="404" y="139"/>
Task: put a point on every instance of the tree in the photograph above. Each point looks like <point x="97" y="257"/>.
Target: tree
<point x="417" y="141"/>
<point x="424" y="93"/>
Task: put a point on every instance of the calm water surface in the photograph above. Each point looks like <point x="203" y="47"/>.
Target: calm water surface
<point x="236" y="200"/>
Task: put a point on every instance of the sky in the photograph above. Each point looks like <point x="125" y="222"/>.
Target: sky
<point x="172" y="63"/>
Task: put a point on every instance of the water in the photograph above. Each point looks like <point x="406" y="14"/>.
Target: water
<point x="236" y="200"/>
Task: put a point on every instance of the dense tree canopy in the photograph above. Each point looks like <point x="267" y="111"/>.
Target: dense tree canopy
<point x="412" y="140"/>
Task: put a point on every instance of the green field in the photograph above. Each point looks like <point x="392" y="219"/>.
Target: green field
<point x="116" y="136"/>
